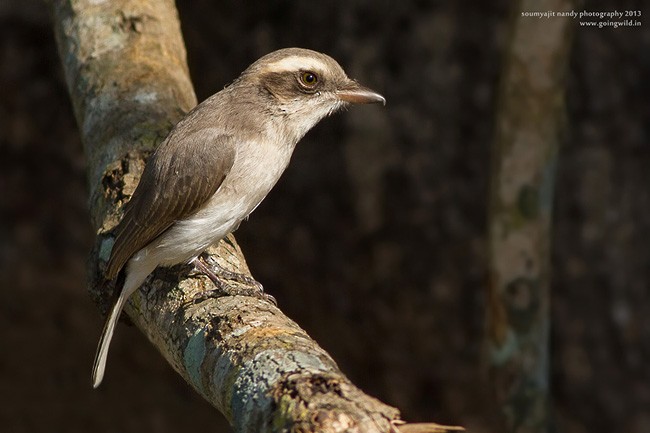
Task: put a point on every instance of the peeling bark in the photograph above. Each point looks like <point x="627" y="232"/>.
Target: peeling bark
<point x="529" y="127"/>
<point x="125" y="66"/>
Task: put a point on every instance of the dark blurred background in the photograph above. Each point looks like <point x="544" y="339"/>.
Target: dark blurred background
<point x="374" y="240"/>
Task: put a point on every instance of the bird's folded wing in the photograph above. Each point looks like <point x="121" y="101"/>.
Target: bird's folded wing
<point x="179" y="178"/>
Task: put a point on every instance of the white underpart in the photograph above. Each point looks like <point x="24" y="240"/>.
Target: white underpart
<point x="249" y="181"/>
<point x="310" y="112"/>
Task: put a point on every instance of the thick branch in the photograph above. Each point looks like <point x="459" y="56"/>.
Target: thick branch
<point x="125" y="65"/>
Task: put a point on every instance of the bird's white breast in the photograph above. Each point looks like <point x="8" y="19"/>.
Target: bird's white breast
<point x="256" y="169"/>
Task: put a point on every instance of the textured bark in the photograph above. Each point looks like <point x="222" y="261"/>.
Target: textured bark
<point x="126" y="71"/>
<point x="528" y="133"/>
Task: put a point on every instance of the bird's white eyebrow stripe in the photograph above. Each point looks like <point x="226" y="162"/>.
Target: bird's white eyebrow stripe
<point x="294" y="63"/>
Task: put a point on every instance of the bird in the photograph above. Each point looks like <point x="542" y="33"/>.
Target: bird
<point x="217" y="164"/>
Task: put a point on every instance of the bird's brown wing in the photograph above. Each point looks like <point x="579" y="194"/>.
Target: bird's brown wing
<point x="178" y="179"/>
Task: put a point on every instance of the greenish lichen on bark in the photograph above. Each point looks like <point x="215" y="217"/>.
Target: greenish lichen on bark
<point x="530" y="122"/>
<point x="124" y="62"/>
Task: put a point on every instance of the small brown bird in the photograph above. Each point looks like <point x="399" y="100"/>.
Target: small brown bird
<point x="217" y="165"/>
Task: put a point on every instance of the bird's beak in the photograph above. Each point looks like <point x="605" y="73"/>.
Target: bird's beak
<point x="355" y="93"/>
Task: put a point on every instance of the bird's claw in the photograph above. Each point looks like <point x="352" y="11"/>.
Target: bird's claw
<point x="217" y="274"/>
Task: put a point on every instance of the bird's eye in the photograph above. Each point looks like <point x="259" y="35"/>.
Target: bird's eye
<point x="308" y="79"/>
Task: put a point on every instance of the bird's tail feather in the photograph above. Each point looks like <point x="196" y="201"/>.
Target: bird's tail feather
<point x="129" y="279"/>
<point x="99" y="366"/>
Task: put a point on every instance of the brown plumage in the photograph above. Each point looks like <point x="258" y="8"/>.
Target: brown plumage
<point x="170" y="189"/>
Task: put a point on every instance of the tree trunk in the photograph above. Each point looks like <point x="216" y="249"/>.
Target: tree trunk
<point x="529" y="128"/>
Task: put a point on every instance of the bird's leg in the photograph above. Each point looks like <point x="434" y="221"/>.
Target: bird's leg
<point x="210" y="263"/>
<point x="217" y="274"/>
<point x="206" y="270"/>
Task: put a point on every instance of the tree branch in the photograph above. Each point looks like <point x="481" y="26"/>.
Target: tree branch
<point x="126" y="71"/>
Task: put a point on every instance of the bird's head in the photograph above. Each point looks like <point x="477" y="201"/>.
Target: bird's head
<point x="304" y="86"/>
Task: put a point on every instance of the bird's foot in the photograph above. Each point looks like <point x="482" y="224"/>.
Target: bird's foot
<point x="214" y="267"/>
<point x="247" y="286"/>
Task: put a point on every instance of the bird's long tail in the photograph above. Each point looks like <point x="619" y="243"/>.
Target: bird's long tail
<point x="99" y="366"/>
<point x="129" y="279"/>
